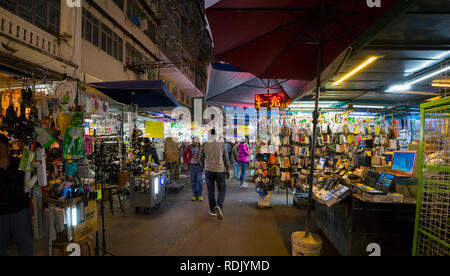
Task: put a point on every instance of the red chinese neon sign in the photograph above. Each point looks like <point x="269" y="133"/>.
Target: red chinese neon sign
<point x="279" y="100"/>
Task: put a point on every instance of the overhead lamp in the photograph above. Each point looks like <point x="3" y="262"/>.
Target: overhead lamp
<point x="413" y="70"/>
<point x="441" y="83"/>
<point x="433" y="99"/>
<point x="370" y="106"/>
<point x="311" y="102"/>
<point x="356" y="70"/>
<point x="430" y="75"/>
<point x="407" y="86"/>
<point x="397" y="88"/>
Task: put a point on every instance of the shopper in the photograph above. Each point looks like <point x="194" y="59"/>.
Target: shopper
<point x="243" y="159"/>
<point x="228" y="148"/>
<point x="15" y="215"/>
<point x="234" y="157"/>
<point x="150" y="152"/>
<point x="172" y="154"/>
<point x="191" y="158"/>
<point x="214" y="159"/>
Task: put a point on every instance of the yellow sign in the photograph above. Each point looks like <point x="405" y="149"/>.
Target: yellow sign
<point x="90" y="224"/>
<point x="243" y="131"/>
<point x="154" y="130"/>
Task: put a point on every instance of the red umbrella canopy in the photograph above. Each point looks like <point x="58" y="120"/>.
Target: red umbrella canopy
<point x="278" y="39"/>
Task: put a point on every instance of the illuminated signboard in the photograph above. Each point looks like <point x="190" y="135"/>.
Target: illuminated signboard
<point x="280" y="100"/>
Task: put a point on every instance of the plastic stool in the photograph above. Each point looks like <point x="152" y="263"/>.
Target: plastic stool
<point x="61" y="247"/>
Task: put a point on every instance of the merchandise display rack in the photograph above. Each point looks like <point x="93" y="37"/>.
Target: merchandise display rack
<point x="432" y="225"/>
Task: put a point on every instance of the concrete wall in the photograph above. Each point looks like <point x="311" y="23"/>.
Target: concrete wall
<point x="34" y="45"/>
<point x="79" y="58"/>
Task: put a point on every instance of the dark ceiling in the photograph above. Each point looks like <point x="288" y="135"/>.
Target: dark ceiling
<point x="413" y="44"/>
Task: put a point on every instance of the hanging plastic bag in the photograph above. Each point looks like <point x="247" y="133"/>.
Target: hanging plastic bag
<point x="44" y="137"/>
<point x="71" y="168"/>
<point x="27" y="159"/>
<point x="74" y="139"/>
<point x="64" y="120"/>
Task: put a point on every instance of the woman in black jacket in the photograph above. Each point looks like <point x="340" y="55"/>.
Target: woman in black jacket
<point x="15" y="216"/>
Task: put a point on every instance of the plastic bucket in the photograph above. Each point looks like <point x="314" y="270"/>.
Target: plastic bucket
<point x="305" y="246"/>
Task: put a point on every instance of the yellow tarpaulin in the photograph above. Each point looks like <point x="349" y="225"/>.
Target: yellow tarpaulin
<point x="154" y="130"/>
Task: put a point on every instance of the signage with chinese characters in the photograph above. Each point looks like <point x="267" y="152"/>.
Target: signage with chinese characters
<point x="280" y="100"/>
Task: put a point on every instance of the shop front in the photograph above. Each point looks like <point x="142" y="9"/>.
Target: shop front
<point x="78" y="149"/>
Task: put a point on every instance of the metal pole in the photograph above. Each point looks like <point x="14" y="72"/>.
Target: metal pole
<point x="103" y="196"/>
<point x="121" y="142"/>
<point x="315" y="119"/>
<point x="287" y="196"/>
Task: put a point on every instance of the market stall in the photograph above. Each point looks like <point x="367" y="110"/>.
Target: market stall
<point x="365" y="172"/>
<point x="43" y="121"/>
<point x="143" y="137"/>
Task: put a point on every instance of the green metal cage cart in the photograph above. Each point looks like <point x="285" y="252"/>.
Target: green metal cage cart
<point x="432" y="224"/>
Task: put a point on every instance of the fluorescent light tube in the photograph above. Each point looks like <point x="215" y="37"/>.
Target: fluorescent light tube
<point x="407" y="86"/>
<point x="356" y="70"/>
<point x="74" y="217"/>
<point x="397" y="88"/>
<point x="156" y="185"/>
<point x="369" y="106"/>
<point x="441" y="83"/>
<point x="436" y="58"/>
<point x="430" y="75"/>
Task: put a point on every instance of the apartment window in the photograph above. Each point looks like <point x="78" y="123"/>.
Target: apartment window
<point x="44" y="14"/>
<point x="95" y="32"/>
<point x="101" y="36"/>
<point x="134" y="57"/>
<point x="188" y="100"/>
<point x="174" y="91"/>
<point x="151" y="31"/>
<point x="182" y="97"/>
<point x="134" y="12"/>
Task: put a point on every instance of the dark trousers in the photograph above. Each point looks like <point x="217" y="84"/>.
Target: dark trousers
<point x="213" y="178"/>
<point x="19" y="225"/>
<point x="195" y="172"/>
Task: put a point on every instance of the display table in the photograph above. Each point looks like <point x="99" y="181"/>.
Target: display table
<point x="354" y="224"/>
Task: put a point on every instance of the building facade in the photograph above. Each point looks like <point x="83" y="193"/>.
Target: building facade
<point x="108" y="40"/>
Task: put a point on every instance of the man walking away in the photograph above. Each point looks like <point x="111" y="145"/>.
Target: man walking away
<point x="191" y="158"/>
<point x="214" y="159"/>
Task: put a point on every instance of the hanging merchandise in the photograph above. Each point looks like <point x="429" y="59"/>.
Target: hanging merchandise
<point x="27" y="159"/>
<point x="66" y="92"/>
<point x="71" y="168"/>
<point x="44" y="137"/>
<point x="97" y="106"/>
<point x="64" y="120"/>
<point x="74" y="139"/>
